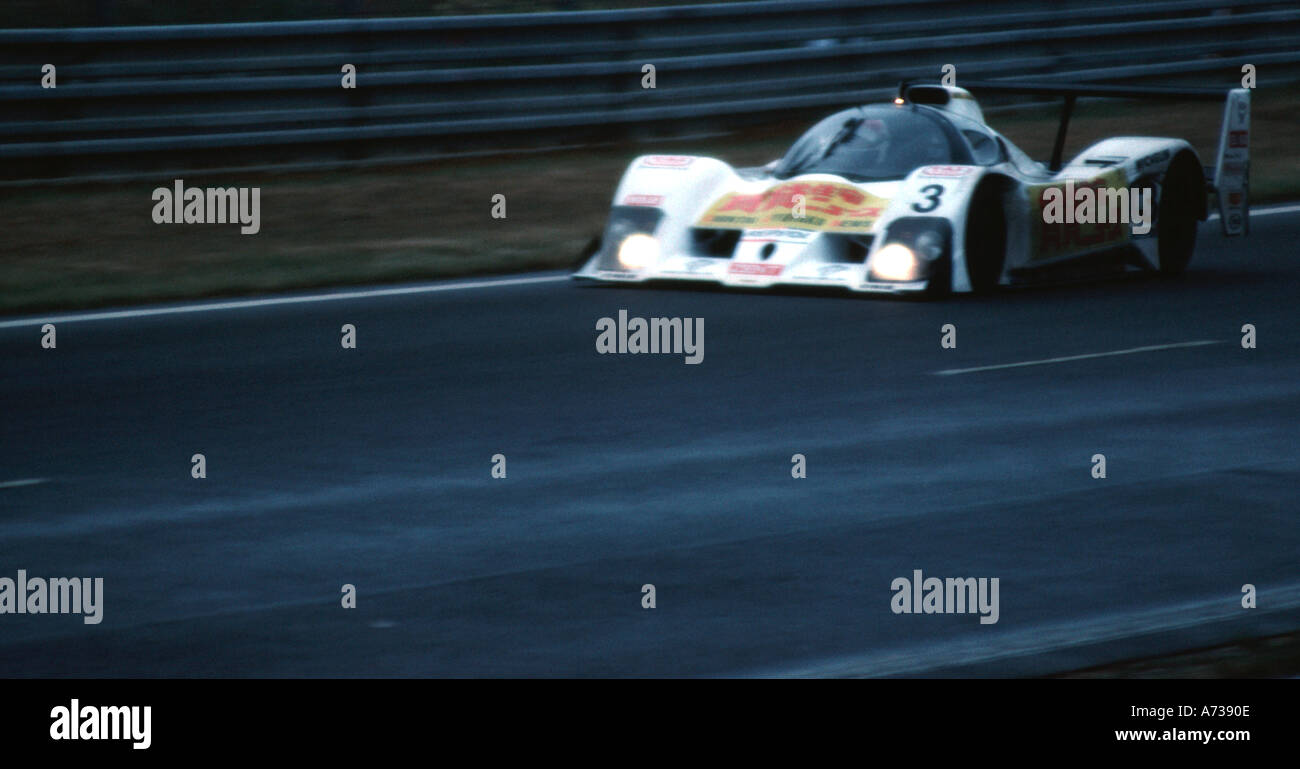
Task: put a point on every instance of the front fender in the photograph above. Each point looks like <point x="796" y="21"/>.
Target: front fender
<point x="936" y="191"/>
<point x="673" y="187"/>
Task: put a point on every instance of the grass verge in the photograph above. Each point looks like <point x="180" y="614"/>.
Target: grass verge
<point x="93" y="245"/>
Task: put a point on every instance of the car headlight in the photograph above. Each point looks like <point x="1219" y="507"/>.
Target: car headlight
<point x="915" y="248"/>
<point x="629" y="242"/>
<point x="638" y="250"/>
<point x="894" y="261"/>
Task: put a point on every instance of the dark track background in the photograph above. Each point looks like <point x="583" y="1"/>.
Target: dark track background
<point x="371" y="466"/>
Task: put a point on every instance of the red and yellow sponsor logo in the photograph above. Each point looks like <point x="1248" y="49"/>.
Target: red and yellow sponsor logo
<point x="824" y="206"/>
<point x="1062" y="238"/>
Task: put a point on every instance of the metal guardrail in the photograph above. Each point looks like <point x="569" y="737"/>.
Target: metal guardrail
<point x="129" y="98"/>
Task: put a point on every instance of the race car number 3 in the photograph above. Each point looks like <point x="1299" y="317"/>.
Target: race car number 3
<point x="931" y="202"/>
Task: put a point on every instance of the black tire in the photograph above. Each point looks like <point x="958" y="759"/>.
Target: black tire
<point x="986" y="238"/>
<point x="1182" y="197"/>
<point x="940" y="283"/>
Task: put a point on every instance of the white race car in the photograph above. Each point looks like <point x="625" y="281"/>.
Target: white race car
<point x="920" y="195"/>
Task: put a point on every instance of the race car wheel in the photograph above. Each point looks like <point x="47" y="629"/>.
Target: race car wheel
<point x="1181" y="192"/>
<point x="986" y="238"/>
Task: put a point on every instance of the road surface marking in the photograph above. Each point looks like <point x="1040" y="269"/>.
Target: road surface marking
<point x="1265" y="211"/>
<point x="22" y="482"/>
<point x="238" y="304"/>
<point x="1044" y="361"/>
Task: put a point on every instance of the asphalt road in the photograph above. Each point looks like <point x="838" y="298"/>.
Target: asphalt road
<point x="372" y="467"/>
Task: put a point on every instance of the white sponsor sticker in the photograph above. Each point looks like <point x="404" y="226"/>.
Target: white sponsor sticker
<point x="781" y="236"/>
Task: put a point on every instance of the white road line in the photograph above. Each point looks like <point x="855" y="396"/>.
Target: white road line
<point x="242" y="303"/>
<point x="1044" y="361"/>
<point x="1265" y="211"/>
<point x="22" y="482"/>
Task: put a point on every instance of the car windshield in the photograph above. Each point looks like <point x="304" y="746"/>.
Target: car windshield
<point x="874" y="143"/>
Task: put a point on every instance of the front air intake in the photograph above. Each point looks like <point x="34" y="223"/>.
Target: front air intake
<point x="715" y="243"/>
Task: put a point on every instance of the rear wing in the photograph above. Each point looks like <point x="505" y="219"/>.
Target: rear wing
<point x="1232" y="168"/>
<point x="1229" y="176"/>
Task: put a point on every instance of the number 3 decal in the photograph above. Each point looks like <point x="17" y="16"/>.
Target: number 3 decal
<point x="932" y="193"/>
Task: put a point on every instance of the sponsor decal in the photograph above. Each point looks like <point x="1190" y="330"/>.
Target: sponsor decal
<point x="1233" y="170"/>
<point x="744" y="268"/>
<point x="1076" y="234"/>
<point x="776" y="236"/>
<point x="826" y="207"/>
<point x="944" y="172"/>
<point x="1152" y="159"/>
<point x="667" y="161"/>
<point x="643" y="200"/>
